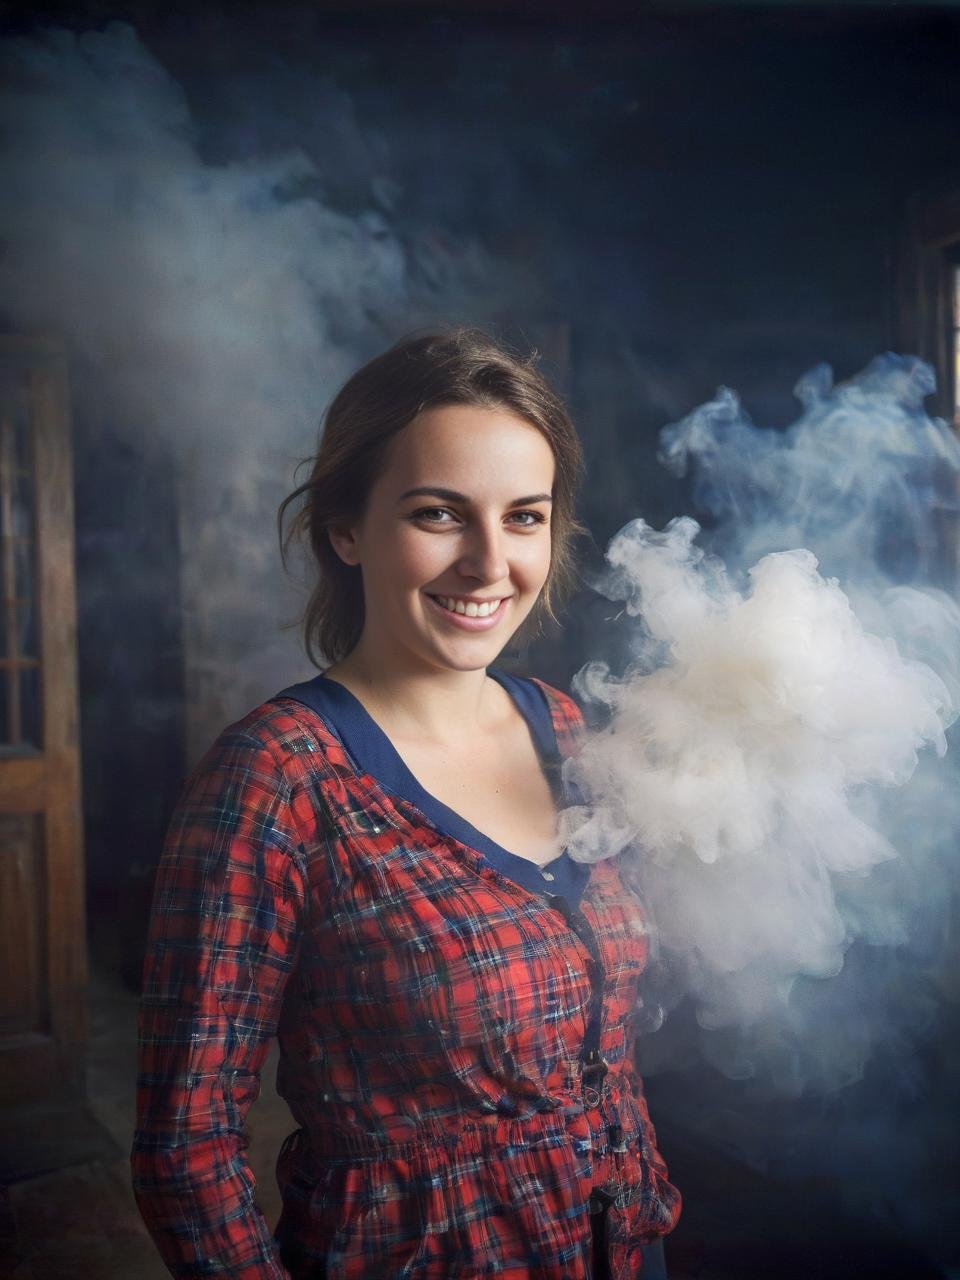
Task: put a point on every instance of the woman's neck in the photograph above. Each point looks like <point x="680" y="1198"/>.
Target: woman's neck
<point x="410" y="700"/>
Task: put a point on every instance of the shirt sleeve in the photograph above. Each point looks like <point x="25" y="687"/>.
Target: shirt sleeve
<point x="666" y="1197"/>
<point x="223" y="937"/>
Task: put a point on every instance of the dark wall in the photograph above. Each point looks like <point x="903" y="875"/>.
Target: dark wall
<point x="130" y="671"/>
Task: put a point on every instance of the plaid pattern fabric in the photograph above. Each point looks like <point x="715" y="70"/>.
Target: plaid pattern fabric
<point x="431" y="1014"/>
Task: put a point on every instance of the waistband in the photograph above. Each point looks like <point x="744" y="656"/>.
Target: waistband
<point x="493" y="1135"/>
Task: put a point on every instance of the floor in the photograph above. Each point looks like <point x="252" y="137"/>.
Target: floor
<point x="80" y="1221"/>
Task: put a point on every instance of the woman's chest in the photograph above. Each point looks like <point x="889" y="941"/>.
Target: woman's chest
<point x="422" y="942"/>
<point x="499" y="788"/>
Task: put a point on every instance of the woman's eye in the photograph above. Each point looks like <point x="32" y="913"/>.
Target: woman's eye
<point x="438" y="515"/>
<point x="433" y="515"/>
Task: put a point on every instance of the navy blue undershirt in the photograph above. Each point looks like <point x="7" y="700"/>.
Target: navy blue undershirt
<point x="373" y="753"/>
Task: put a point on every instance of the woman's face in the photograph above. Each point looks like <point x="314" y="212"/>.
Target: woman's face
<point x="454" y="545"/>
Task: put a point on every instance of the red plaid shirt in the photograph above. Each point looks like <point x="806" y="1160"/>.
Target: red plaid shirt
<point x="432" y="1008"/>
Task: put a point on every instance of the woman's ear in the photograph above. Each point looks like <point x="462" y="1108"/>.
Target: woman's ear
<point x="343" y="539"/>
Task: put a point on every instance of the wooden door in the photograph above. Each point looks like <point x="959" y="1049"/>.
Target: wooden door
<point x="42" y="933"/>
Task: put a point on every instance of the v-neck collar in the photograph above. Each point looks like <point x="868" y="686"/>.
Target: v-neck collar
<point x="374" y="754"/>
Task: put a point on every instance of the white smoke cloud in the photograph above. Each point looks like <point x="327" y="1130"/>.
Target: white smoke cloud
<point x="210" y="310"/>
<point x="752" y="745"/>
<point x="195" y="302"/>
<point x="197" y="294"/>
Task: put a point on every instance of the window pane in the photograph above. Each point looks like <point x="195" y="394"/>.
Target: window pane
<point x="26" y="629"/>
<point x="22" y="440"/>
<point x="23" y="506"/>
<point x="20" y="685"/>
<point x="23" y="569"/>
<point x="30" y="706"/>
<point x="20" y="714"/>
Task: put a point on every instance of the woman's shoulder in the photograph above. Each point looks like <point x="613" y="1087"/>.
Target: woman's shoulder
<point x="284" y="730"/>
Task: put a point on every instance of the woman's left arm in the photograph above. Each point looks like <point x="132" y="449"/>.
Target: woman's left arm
<point x="667" y="1198"/>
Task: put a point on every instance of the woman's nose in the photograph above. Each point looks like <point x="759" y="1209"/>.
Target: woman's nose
<point x="484" y="555"/>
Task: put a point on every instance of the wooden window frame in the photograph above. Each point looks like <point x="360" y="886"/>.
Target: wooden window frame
<point x="42" y="912"/>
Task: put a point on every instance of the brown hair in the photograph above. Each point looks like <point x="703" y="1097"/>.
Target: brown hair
<point x="452" y="366"/>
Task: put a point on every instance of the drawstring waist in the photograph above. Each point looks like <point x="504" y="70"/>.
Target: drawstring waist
<point x="402" y="1136"/>
<point x="338" y="1141"/>
<point x="482" y="1135"/>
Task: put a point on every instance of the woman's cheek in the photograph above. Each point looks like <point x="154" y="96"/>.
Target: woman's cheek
<point x="536" y="564"/>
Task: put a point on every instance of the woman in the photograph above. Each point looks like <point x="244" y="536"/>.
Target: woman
<point x="368" y="866"/>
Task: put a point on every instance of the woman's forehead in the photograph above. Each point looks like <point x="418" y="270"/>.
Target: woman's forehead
<point x="469" y="440"/>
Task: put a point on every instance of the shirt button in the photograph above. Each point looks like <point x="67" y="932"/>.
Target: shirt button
<point x="548" y="875"/>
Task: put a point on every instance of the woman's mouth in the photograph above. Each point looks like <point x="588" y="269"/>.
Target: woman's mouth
<point x="469" y="614"/>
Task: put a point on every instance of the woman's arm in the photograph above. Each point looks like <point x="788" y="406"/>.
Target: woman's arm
<point x="224" y="932"/>
<point x="665" y="1205"/>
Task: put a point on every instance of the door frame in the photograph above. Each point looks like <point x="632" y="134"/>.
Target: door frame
<point x="46" y="1060"/>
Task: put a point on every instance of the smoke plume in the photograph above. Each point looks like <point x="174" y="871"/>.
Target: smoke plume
<point x="761" y="758"/>
<point x="211" y="309"/>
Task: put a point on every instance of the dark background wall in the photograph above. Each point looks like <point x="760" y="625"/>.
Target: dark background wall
<point x="704" y="196"/>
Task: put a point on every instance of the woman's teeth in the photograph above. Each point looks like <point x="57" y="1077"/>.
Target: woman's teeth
<point x="470" y="608"/>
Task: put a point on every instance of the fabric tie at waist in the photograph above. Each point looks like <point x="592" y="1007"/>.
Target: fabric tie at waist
<point x="331" y="1142"/>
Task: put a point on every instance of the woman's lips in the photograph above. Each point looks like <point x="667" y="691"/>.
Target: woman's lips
<point x="470" y="624"/>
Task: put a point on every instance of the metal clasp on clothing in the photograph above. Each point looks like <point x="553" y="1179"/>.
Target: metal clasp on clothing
<point x="616" y="1136"/>
<point x="595" y="1067"/>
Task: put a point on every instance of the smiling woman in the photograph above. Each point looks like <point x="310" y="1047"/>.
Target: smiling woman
<point x="467" y="379"/>
<point x="484" y="550"/>
<point x="368" y="866"/>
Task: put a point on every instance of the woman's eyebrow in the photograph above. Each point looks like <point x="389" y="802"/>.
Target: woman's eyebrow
<point x="451" y="495"/>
